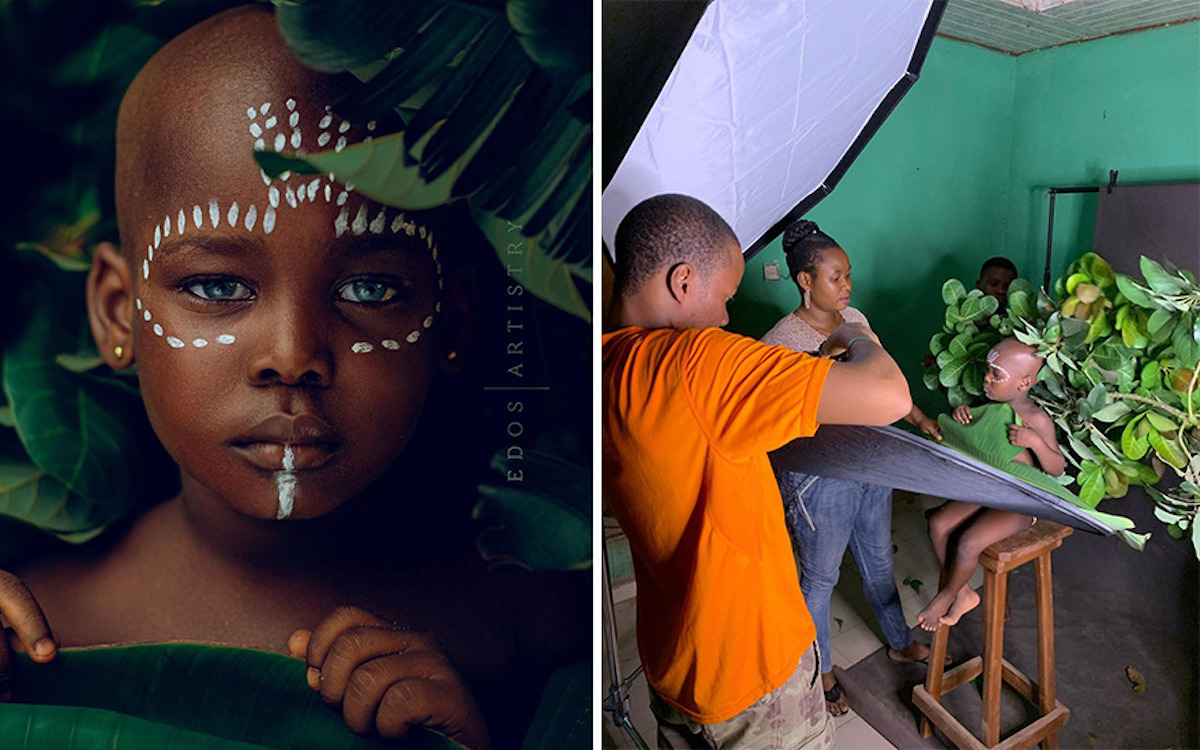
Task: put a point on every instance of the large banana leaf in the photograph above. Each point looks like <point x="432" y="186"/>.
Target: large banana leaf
<point x="177" y="696"/>
<point x="493" y="97"/>
<point x="73" y="428"/>
<point x="986" y="439"/>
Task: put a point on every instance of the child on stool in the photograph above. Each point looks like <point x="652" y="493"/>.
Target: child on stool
<point x="1012" y="371"/>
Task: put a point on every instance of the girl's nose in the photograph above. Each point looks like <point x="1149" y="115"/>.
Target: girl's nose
<point x="292" y="350"/>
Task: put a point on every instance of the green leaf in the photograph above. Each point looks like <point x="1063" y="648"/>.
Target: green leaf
<point x="971" y="308"/>
<point x="953" y="291"/>
<point x="1021" y="304"/>
<point x="952" y="372"/>
<point x="541" y="508"/>
<point x="216" y="692"/>
<point x="1133" y="291"/>
<point x="76" y="430"/>
<point x="1112" y="412"/>
<point x="1091" y="490"/>
<point x="1167" y="450"/>
<point x="1133" y="445"/>
<point x="958" y="346"/>
<point x="338" y="36"/>
<point x="1158" y="278"/>
<point x="937" y="344"/>
<point x="930" y="379"/>
<point x="7" y="417"/>
<point x="1158" y="319"/>
<point x="1183" y="339"/>
<point x="1097" y="398"/>
<point x="1160" y="422"/>
<point x="972" y="379"/>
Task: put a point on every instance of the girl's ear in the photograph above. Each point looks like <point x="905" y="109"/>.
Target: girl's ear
<point x="457" y="323"/>
<point x="1026" y="383"/>
<point x="110" y="306"/>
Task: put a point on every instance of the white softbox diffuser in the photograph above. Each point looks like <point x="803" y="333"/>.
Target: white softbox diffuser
<point x="768" y="104"/>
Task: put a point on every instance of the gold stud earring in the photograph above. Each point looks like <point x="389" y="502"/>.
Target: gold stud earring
<point x="452" y="355"/>
<point x="119" y="351"/>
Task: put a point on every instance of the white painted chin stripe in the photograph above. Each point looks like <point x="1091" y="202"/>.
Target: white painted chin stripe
<point x="285" y="482"/>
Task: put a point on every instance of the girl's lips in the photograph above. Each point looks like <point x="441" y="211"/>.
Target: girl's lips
<point x="269" y="455"/>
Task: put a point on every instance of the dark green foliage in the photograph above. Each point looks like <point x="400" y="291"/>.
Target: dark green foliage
<point x="131" y="697"/>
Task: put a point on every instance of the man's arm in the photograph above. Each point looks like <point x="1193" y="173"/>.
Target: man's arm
<point x="868" y="387"/>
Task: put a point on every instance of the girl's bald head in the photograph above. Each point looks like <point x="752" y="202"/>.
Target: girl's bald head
<point x="190" y="118"/>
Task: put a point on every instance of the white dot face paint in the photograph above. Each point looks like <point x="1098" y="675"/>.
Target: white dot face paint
<point x="232" y="216"/>
<point x="390" y="344"/>
<point x="273" y="196"/>
<point x="323" y="139"/>
<point x="158" y="330"/>
<point x="325" y="121"/>
<point x="359" y="225"/>
<point x="280" y="142"/>
<point x="270" y="122"/>
<point x="361" y="347"/>
<point x="412" y="337"/>
<point x="175" y="343"/>
<point x="344" y="126"/>
<point x="139" y="303"/>
<point x="251" y="217"/>
<point x="197" y="217"/>
<point x="146" y="315"/>
<point x="199" y="343"/>
<point x="256" y="130"/>
<point x="285" y="482"/>
<point x="181" y="222"/>
<point x="269" y="221"/>
<point x="214" y="213"/>
<point x="226" y="339"/>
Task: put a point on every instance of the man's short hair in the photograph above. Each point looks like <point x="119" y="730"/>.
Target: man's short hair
<point x="665" y="230"/>
<point x="997" y="262"/>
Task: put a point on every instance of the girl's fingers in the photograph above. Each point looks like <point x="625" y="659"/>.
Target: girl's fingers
<point x="25" y="617"/>
<point x="297" y="644"/>
<point x="368" y="683"/>
<point x="442" y="705"/>
<point x="359" y="645"/>
<point x="341" y="619"/>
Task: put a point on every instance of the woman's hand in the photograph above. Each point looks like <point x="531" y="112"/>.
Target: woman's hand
<point x="386" y="679"/>
<point x="928" y="426"/>
<point x="962" y="414"/>
<point x="27" y="629"/>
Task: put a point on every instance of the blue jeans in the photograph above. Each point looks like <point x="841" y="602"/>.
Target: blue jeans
<point x="824" y="516"/>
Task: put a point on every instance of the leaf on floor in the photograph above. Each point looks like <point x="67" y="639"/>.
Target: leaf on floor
<point x="913" y="583"/>
<point x="1135" y="677"/>
<point x="839" y="621"/>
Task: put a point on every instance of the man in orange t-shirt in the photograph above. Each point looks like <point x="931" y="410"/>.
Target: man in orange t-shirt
<point x="690" y="413"/>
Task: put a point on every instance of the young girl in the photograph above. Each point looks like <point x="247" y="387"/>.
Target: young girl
<point x="288" y="334"/>
<point x="826" y="515"/>
<point x="1012" y="371"/>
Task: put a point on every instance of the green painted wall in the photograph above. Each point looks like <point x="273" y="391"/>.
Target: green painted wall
<point x="959" y="173"/>
<point x="1129" y="102"/>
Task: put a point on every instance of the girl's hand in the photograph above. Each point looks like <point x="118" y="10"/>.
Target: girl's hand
<point x="1024" y="437"/>
<point x="385" y="679"/>
<point x="962" y="414"/>
<point x="27" y="629"/>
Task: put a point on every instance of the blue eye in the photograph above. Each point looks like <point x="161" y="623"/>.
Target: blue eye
<point x="366" y="291"/>
<point x="220" y="290"/>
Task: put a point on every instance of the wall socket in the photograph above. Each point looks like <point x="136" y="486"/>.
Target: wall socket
<point x="771" y="271"/>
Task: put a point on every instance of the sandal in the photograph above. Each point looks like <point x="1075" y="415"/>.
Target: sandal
<point x="833" y="695"/>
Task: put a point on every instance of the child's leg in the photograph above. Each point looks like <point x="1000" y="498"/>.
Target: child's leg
<point x="943" y="524"/>
<point x="985" y="529"/>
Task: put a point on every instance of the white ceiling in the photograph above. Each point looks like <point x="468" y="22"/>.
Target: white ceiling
<point x="1001" y="25"/>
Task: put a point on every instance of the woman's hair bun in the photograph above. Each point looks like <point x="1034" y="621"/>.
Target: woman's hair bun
<point x="798" y="230"/>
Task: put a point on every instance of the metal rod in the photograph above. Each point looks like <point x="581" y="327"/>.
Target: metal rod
<point x="618" y="696"/>
<point x="1050" y="229"/>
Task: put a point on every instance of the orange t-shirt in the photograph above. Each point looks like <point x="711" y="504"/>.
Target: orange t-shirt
<point x="689" y="416"/>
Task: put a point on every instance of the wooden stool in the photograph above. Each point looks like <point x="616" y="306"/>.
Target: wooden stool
<point x="1035" y="543"/>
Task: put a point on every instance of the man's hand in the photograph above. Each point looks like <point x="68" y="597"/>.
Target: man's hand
<point x="845" y="333"/>
<point x="27" y="629"/>
<point x="962" y="414"/>
<point x="386" y="679"/>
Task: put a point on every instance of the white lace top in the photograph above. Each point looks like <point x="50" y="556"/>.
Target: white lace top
<point x="799" y="336"/>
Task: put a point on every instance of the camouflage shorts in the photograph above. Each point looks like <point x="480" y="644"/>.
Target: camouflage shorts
<point x="791" y="716"/>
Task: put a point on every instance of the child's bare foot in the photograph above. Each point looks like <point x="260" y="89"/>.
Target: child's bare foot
<point x="935" y="611"/>
<point x="964" y="602"/>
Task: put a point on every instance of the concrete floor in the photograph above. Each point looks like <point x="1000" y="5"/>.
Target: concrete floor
<point x="854" y="638"/>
